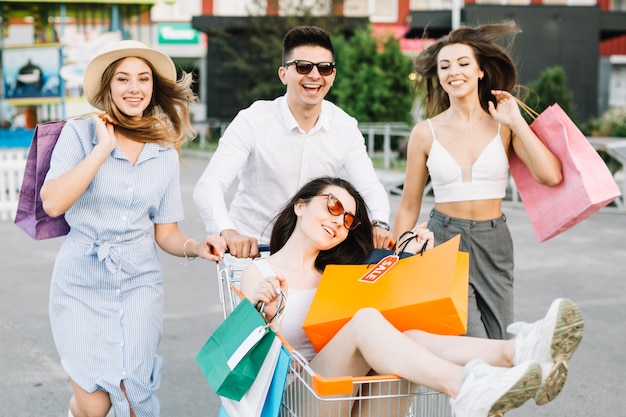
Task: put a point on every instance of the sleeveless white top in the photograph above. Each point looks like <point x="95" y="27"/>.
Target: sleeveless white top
<point x="296" y="308"/>
<point x="486" y="179"/>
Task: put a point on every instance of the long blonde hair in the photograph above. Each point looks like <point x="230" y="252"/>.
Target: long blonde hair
<point x="166" y="120"/>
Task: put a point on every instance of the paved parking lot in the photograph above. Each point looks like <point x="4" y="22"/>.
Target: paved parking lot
<point x="586" y="264"/>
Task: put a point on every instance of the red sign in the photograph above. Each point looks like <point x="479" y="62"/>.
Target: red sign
<point x="384" y="265"/>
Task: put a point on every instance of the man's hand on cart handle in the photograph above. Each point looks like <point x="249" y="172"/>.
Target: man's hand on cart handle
<point x="240" y="246"/>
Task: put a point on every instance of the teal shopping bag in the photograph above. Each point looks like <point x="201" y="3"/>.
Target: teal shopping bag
<point x="265" y="402"/>
<point x="233" y="355"/>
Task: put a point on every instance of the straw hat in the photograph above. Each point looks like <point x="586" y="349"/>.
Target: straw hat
<point x="161" y="62"/>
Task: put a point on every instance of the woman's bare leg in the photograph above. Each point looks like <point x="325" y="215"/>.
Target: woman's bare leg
<point x="89" y="404"/>
<point x="461" y="349"/>
<point x="369" y="341"/>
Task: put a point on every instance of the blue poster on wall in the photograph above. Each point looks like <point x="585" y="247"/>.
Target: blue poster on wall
<point x="31" y="74"/>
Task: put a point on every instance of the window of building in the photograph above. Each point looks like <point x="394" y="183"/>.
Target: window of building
<point x="431" y="5"/>
<point x="383" y="11"/>
<point x="356" y="8"/>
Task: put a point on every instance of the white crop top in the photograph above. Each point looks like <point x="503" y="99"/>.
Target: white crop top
<point x="486" y="179"/>
<point x="296" y="308"/>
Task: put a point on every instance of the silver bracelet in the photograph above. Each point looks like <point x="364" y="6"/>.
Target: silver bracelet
<point x="187" y="258"/>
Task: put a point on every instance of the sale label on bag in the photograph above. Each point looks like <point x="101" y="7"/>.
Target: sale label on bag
<point x="379" y="269"/>
<point x="427" y="292"/>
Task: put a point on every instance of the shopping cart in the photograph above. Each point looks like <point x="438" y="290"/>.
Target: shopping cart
<point x="309" y="394"/>
<point x="228" y="281"/>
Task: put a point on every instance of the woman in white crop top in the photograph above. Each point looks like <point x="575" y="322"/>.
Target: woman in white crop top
<point x="326" y="222"/>
<point x="473" y="125"/>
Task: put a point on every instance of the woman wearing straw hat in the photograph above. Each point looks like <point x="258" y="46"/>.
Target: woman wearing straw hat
<point x="115" y="176"/>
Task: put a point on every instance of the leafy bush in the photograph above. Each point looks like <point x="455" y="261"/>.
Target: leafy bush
<point x="612" y="124"/>
<point x="373" y="82"/>
<point x="550" y="88"/>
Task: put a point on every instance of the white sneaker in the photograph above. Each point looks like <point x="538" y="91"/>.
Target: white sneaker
<point x="551" y="341"/>
<point x="490" y="391"/>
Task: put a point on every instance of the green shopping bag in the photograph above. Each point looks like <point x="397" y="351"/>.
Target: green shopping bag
<point x="233" y="355"/>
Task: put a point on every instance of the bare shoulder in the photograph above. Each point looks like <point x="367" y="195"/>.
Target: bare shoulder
<point x="421" y="136"/>
<point x="251" y="275"/>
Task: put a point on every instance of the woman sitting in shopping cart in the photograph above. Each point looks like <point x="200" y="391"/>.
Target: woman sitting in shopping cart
<point x="326" y="223"/>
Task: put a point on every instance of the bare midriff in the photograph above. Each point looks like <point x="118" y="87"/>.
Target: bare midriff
<point x="472" y="210"/>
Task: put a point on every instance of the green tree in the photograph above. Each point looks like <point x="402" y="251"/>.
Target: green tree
<point x="549" y="88"/>
<point x="373" y="81"/>
<point x="257" y="63"/>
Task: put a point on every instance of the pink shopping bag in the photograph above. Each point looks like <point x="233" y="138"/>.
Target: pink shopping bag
<point x="587" y="184"/>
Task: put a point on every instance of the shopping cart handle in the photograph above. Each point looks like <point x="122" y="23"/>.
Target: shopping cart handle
<point x="262" y="248"/>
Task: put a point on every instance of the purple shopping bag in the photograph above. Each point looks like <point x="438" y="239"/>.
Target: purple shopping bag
<point x="30" y="216"/>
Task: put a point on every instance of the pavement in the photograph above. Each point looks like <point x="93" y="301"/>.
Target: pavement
<point x="586" y="264"/>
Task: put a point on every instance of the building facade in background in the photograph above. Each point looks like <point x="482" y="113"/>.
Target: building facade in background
<point x="586" y="37"/>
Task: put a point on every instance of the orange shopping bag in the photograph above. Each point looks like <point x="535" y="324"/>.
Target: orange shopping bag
<point x="587" y="184"/>
<point x="426" y="292"/>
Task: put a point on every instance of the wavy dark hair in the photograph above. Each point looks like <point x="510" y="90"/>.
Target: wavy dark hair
<point x="166" y="119"/>
<point x="306" y="36"/>
<point x="352" y="250"/>
<point x="494" y="60"/>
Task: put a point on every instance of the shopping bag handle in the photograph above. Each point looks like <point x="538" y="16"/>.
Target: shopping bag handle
<point x="282" y="304"/>
<point x="400" y="247"/>
<point x="280" y="336"/>
<point x="529" y="110"/>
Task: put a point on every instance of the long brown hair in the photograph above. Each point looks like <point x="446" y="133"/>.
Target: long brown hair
<point x="166" y="119"/>
<point x="494" y="60"/>
<point x="352" y="250"/>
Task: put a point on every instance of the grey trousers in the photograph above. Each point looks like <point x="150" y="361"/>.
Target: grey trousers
<point x="490" y="248"/>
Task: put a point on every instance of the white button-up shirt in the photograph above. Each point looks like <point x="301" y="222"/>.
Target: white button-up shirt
<point x="265" y="149"/>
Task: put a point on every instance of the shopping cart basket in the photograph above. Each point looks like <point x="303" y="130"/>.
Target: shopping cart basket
<point x="227" y="278"/>
<point x="309" y="394"/>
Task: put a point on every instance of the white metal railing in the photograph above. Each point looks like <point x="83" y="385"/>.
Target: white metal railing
<point x="12" y="164"/>
<point x="387" y="131"/>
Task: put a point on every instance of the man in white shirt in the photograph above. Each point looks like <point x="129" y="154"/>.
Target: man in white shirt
<point x="276" y="146"/>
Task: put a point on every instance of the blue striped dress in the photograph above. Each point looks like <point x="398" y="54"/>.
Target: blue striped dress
<point x="106" y="296"/>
